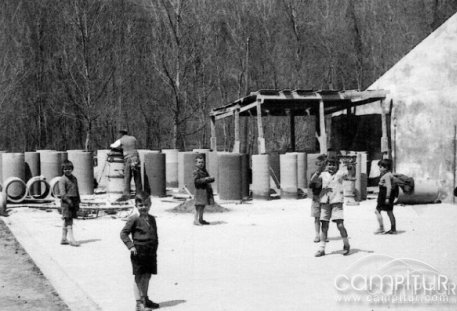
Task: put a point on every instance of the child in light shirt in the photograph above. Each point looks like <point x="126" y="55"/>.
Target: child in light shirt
<point x="331" y="200"/>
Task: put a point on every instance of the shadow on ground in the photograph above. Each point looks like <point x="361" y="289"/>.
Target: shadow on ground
<point x="88" y="241"/>
<point x="171" y="303"/>
<point x="219" y="222"/>
<point x="351" y="252"/>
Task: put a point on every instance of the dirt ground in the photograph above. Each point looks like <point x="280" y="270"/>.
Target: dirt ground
<point x="258" y="255"/>
<point x="22" y="284"/>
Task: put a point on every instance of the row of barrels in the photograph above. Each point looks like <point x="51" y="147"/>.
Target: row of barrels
<point x="40" y="169"/>
<point x="37" y="187"/>
<point x="35" y="174"/>
<point x="169" y="168"/>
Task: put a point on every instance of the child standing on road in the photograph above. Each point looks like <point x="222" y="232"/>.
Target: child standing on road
<point x="387" y="193"/>
<point x="332" y="203"/>
<point x="70" y="199"/>
<point x="315" y="185"/>
<point x="143" y="250"/>
<point x="203" y="190"/>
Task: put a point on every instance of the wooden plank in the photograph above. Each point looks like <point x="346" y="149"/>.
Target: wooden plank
<point x="213" y="140"/>
<point x="236" y="146"/>
<point x="323" y="134"/>
<point x="248" y="107"/>
<point x="260" y="139"/>
<point x="292" y="128"/>
<point x="384" y="141"/>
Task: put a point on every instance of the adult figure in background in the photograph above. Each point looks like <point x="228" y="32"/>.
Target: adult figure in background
<point x="127" y="144"/>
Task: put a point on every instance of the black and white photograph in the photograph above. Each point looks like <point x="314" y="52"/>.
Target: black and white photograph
<point x="228" y="155"/>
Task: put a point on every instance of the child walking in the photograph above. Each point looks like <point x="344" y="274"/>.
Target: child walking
<point x="70" y="199"/>
<point x="387" y="193"/>
<point x="315" y="185"/>
<point x="332" y="204"/>
<point x="203" y="190"/>
<point x="143" y="250"/>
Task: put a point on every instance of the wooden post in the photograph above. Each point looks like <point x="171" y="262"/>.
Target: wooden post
<point x="358" y="177"/>
<point x="323" y="134"/>
<point x="384" y="141"/>
<point x="236" y="146"/>
<point x="213" y="141"/>
<point x="292" y="128"/>
<point x="260" y="139"/>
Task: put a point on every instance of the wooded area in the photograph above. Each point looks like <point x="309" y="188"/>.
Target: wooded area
<point x="73" y="71"/>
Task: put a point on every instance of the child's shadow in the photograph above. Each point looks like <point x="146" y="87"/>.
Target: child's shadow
<point x="352" y="251"/>
<point x="397" y="233"/>
<point x="88" y="241"/>
<point x="171" y="303"/>
<point x="219" y="222"/>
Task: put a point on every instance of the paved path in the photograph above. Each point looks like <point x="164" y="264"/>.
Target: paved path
<point x="257" y="256"/>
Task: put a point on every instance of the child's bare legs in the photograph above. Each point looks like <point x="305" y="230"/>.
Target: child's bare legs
<point x="323" y="238"/>
<point x="64" y="240"/>
<point x="200" y="218"/>
<point x="140" y="289"/>
<point x="317" y="228"/>
<point x="393" y="225"/>
<point x="381" y="223"/>
<point x="68" y="230"/>
<point x="197" y="215"/>
<point x="344" y="235"/>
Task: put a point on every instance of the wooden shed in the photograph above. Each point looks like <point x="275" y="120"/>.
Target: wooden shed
<point x="293" y="103"/>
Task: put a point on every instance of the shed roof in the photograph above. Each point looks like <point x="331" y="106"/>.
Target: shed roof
<point x="298" y="102"/>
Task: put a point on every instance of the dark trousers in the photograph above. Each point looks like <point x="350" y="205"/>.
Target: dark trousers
<point x="132" y="171"/>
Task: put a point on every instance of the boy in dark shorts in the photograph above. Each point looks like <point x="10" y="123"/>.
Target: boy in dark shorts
<point x="387" y="193"/>
<point x="70" y="199"/>
<point x="143" y="250"/>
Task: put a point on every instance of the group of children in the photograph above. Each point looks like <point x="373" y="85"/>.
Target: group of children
<point x="142" y="227"/>
<point x="326" y="185"/>
<point x="140" y="232"/>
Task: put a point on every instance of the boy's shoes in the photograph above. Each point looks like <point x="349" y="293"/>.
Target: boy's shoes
<point x="64" y="242"/>
<point x="379" y="231"/>
<point x="140" y="306"/>
<point x="316" y="240"/>
<point x="204" y="222"/>
<point x="391" y="232"/>
<point x="197" y="223"/>
<point x="346" y="249"/>
<point x="75" y="244"/>
<point x="319" y="253"/>
<point x="150" y="304"/>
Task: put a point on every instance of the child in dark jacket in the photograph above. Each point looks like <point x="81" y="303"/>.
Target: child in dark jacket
<point x="387" y="193"/>
<point x="143" y="250"/>
<point x="203" y="190"/>
<point x="70" y="199"/>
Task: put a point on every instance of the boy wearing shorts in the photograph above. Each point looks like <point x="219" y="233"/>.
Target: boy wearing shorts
<point x="142" y="245"/>
<point x="332" y="204"/>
